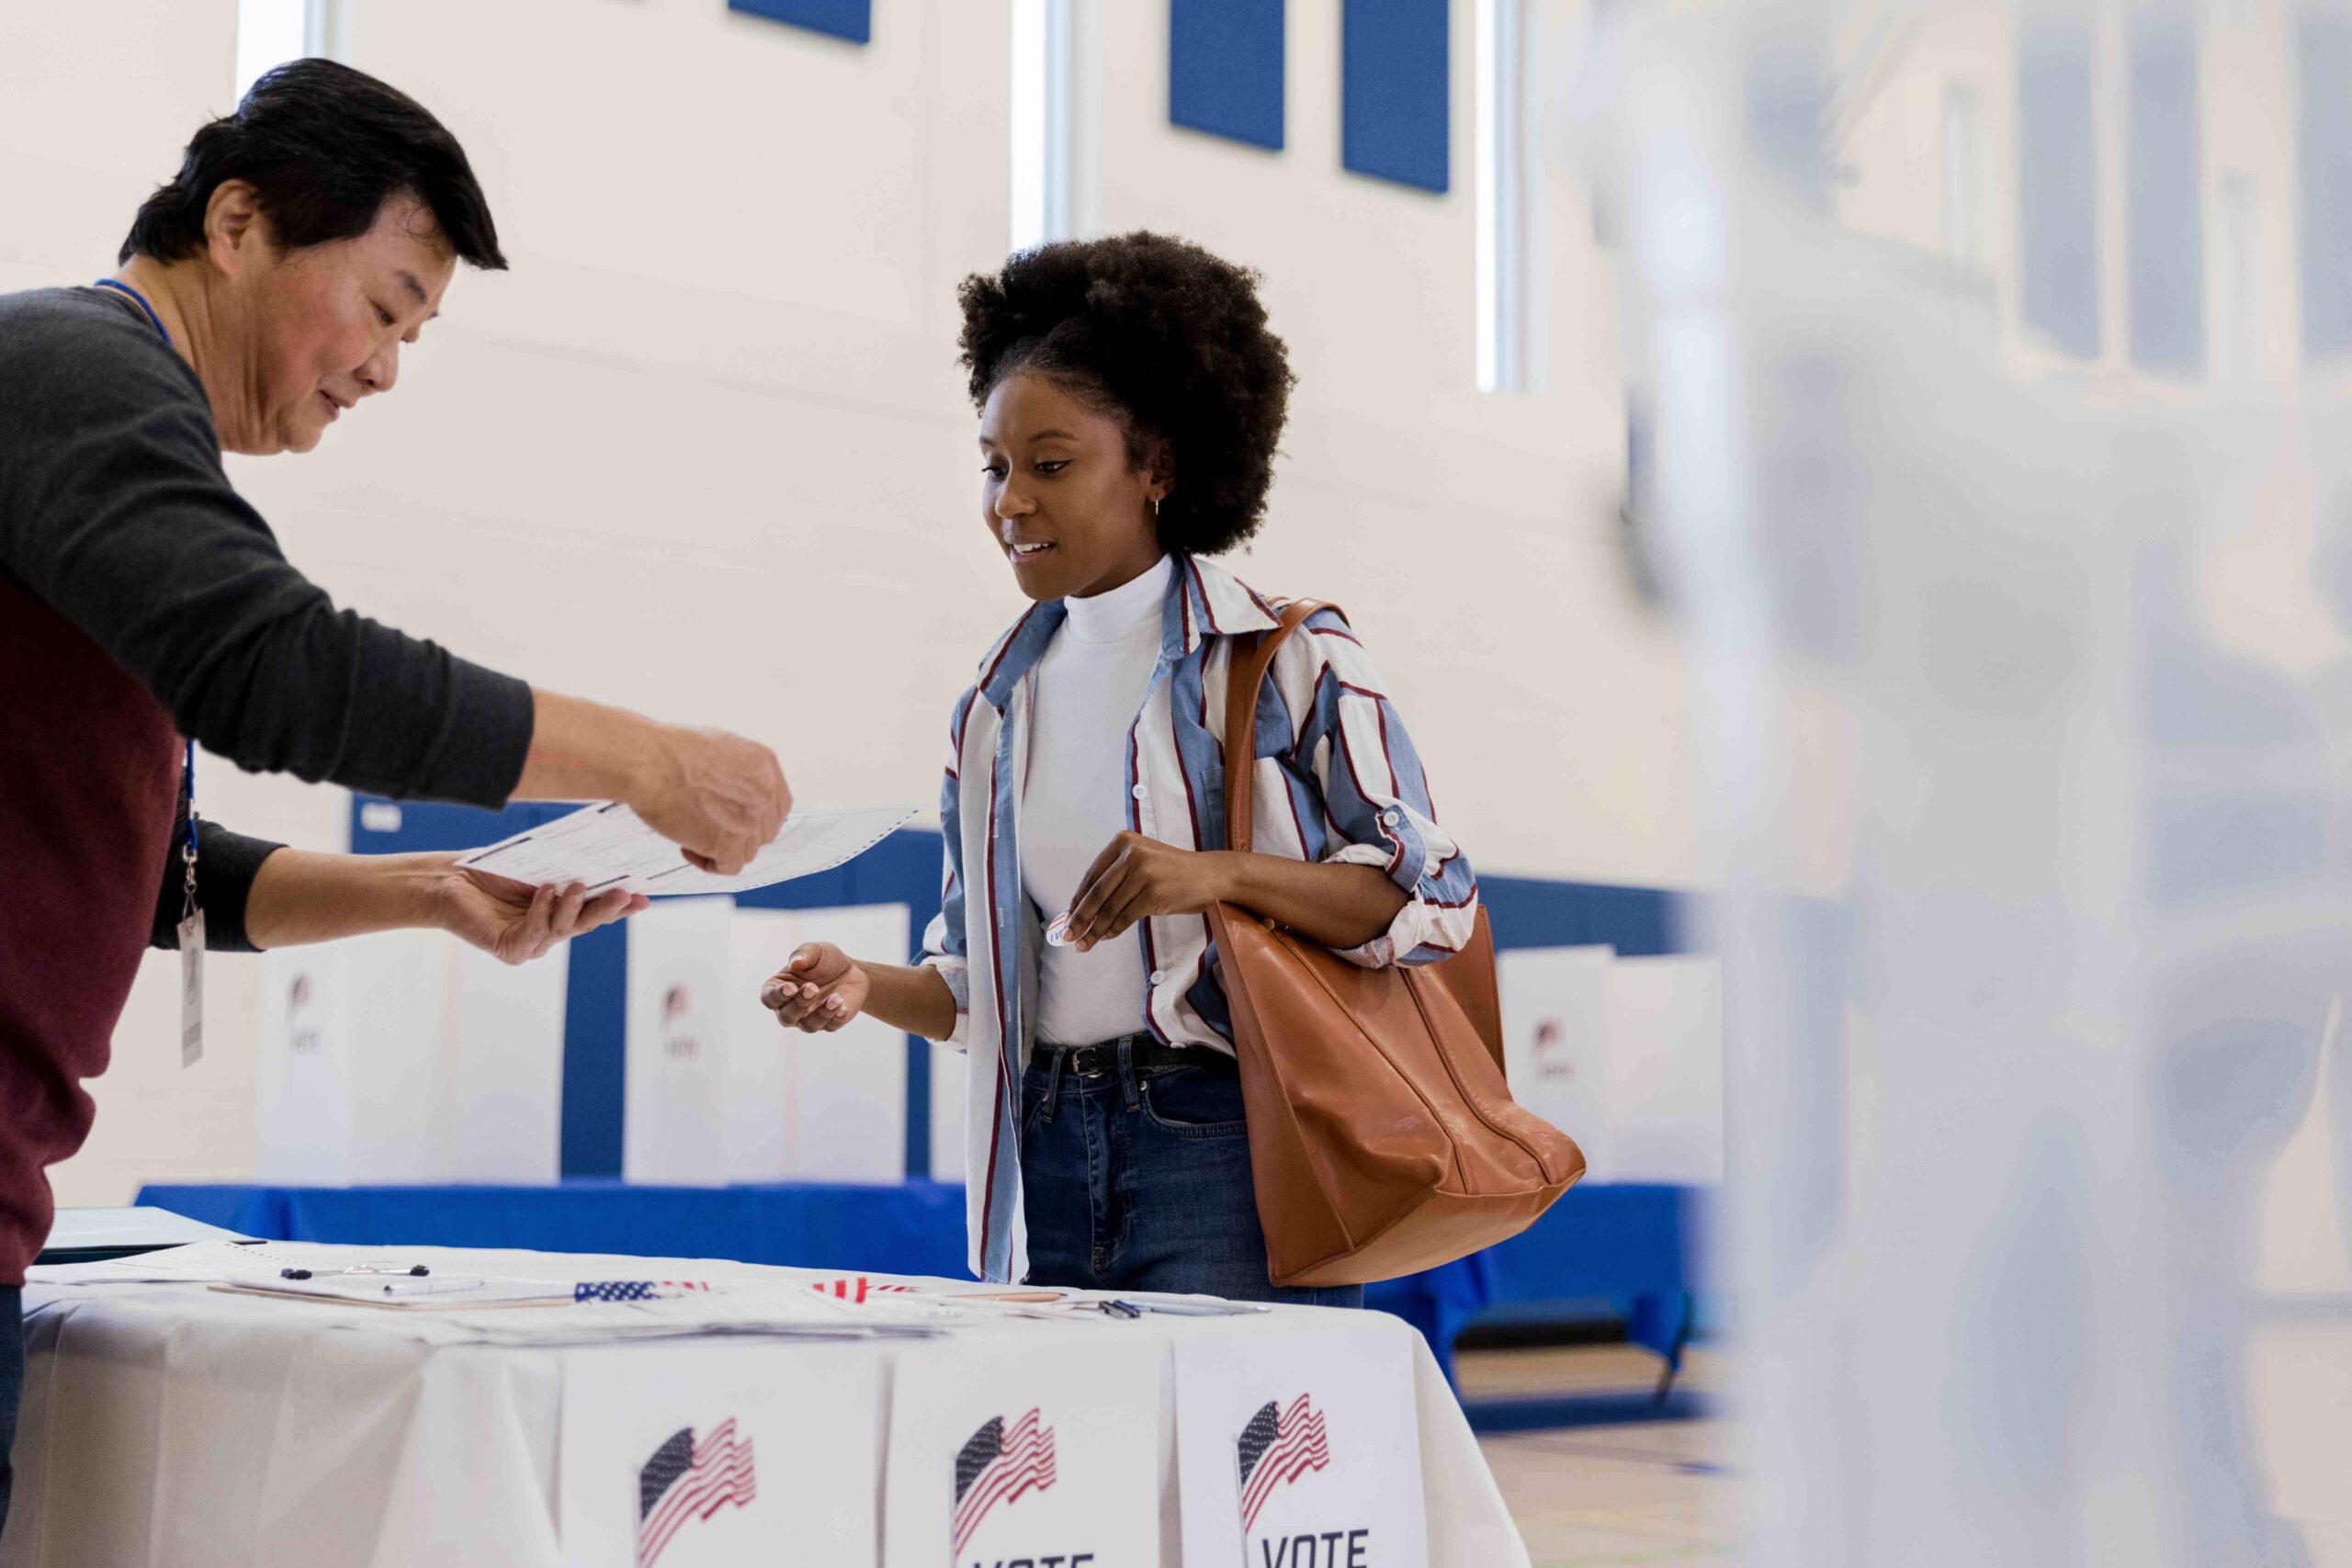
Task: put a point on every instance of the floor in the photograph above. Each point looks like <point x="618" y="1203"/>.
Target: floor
<point x="1615" y="1495"/>
<point x="1668" y="1492"/>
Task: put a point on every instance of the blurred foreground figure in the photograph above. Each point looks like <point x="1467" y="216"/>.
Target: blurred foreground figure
<point x="2028" y="790"/>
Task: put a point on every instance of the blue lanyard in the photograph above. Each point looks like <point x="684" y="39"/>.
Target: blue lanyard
<point x="187" y="845"/>
<point x="125" y="288"/>
<point x="188" y="801"/>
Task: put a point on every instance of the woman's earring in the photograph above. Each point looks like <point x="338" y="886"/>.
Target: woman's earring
<point x="1155" y="506"/>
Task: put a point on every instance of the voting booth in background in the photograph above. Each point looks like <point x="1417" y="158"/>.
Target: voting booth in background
<point x="761" y="1103"/>
<point x="1665" y="1050"/>
<point x="812" y="1107"/>
<point x="1555" y="1040"/>
<point x="675" y="1036"/>
<point x="950" y="1073"/>
<point x="718" y="1092"/>
<point x="1623" y="1054"/>
<point x="409" y="1056"/>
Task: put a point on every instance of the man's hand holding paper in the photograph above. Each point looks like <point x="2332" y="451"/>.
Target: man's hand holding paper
<point x="720" y="798"/>
<point x="609" y="847"/>
<point x="716" y="796"/>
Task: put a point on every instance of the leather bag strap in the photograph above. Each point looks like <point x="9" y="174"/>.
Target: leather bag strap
<point x="1245" y="675"/>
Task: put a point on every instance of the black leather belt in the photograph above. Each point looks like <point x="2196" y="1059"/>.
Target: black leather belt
<point x="1098" y="1061"/>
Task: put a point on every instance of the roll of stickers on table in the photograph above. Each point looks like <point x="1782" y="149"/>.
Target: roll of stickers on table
<point x="606" y="847"/>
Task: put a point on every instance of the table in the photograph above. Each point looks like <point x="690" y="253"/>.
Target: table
<point x="175" y="1425"/>
<point x="1635" y="1244"/>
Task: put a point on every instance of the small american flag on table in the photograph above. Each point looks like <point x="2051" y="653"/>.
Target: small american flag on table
<point x="855" y="1286"/>
<point x="634" y="1289"/>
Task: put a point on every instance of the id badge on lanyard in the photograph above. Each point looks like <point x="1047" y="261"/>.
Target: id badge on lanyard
<point x="191" y="929"/>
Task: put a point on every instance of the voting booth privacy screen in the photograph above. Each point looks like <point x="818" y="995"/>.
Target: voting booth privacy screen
<point x="642" y="1050"/>
<point x="409" y="1056"/>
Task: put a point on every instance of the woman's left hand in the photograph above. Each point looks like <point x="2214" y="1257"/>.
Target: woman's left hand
<point x="1134" y="877"/>
<point x="516" y="923"/>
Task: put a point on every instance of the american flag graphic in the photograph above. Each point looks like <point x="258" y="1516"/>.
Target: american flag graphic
<point x="854" y="1287"/>
<point x="689" y="1480"/>
<point x="634" y="1289"/>
<point x="1276" y="1448"/>
<point x="1000" y="1466"/>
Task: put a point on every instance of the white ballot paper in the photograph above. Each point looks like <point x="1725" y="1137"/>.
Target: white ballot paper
<point x="606" y="846"/>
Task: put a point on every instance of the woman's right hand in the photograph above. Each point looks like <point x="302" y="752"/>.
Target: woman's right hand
<point x="817" y="991"/>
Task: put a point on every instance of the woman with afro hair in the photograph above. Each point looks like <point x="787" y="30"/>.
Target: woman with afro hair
<point x="1130" y="398"/>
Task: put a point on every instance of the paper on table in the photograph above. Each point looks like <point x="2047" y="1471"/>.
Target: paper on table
<point x="606" y="846"/>
<point x="789" y="1311"/>
<point x="198" y="1263"/>
<point x="432" y="1293"/>
<point x="98" y="1232"/>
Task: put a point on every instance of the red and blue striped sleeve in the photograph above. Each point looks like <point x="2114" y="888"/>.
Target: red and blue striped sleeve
<point x="1376" y="794"/>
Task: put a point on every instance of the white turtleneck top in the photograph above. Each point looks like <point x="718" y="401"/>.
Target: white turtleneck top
<point x="1091" y="686"/>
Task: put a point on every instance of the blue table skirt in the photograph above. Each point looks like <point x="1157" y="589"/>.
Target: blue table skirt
<point x="1636" y="1244"/>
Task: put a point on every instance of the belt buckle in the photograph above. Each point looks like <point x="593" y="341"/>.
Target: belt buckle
<point x="1087" y="1062"/>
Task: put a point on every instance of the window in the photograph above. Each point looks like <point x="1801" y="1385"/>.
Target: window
<point x="1505" y="200"/>
<point x="2058" y="184"/>
<point x="1041" y="122"/>
<point x="2164" y="205"/>
<point x="269" y="33"/>
<point x="1963" y="156"/>
<point x="2238" y="262"/>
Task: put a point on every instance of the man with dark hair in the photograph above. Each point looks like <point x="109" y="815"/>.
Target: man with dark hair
<point x="263" y="293"/>
<point x="323" y="146"/>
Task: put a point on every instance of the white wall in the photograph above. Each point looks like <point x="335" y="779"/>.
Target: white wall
<point x="706" y="451"/>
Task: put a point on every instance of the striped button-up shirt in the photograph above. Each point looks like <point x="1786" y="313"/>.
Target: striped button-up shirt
<point x="1337" y="781"/>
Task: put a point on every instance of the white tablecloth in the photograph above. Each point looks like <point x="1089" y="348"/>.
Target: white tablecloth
<point x="174" y="1427"/>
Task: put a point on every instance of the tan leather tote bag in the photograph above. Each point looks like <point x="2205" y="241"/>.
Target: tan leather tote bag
<point x="1383" y="1139"/>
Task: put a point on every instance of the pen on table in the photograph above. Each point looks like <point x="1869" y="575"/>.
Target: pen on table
<point x="1188" y="1309"/>
<point x="418" y="1269"/>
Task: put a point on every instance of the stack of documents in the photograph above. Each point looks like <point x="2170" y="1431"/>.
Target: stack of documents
<point x="92" y="1235"/>
<point x="607" y="848"/>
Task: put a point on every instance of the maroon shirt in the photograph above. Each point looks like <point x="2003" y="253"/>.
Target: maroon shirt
<point x="93" y="770"/>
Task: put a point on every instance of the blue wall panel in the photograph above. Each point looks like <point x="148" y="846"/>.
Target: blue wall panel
<point x="1225" y="68"/>
<point x="852" y="20"/>
<point x="1639" y="922"/>
<point x="595" y="1053"/>
<point x="1395" y="112"/>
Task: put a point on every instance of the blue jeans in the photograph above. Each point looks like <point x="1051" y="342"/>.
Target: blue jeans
<point x="12" y="1384"/>
<point x="1139" y="1180"/>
